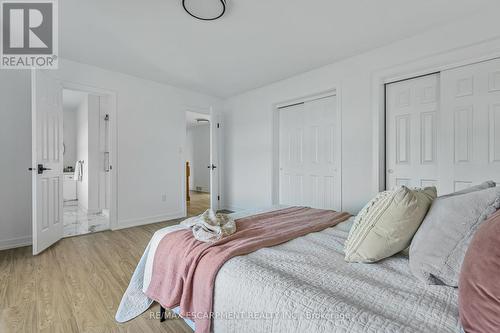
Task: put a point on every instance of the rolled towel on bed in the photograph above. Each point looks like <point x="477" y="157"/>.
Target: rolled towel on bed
<point x="210" y="227"/>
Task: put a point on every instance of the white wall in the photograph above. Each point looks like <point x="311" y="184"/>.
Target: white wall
<point x="15" y="158"/>
<point x="198" y="152"/>
<point x="151" y="133"/>
<point x="69" y="120"/>
<point x="248" y="153"/>
<point x="151" y="128"/>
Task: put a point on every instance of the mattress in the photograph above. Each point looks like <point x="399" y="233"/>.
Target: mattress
<point x="306" y="286"/>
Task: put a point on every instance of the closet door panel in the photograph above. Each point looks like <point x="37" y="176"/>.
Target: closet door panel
<point x="412" y="112"/>
<point x="471" y="104"/>
<point x="291" y="150"/>
<point x="309" y="154"/>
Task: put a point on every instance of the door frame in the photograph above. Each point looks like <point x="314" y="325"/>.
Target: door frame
<point x="428" y="65"/>
<point x="113" y="139"/>
<point x="209" y="111"/>
<point x="275" y="151"/>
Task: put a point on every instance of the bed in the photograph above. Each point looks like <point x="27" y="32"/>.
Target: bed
<point x="305" y="285"/>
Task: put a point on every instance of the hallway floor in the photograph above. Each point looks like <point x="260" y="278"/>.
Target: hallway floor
<point x="200" y="202"/>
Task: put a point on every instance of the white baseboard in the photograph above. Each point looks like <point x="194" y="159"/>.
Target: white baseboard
<point x="148" y="220"/>
<point x="232" y="208"/>
<point x="202" y="189"/>
<point x="12" y="243"/>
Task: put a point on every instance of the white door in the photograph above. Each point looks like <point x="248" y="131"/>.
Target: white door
<point x="470" y="131"/>
<point x="309" y="160"/>
<point x="444" y="129"/>
<point x="47" y="160"/>
<point x="412" y="110"/>
<point x="215" y="137"/>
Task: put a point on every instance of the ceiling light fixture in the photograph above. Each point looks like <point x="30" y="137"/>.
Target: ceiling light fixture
<point x="205" y="10"/>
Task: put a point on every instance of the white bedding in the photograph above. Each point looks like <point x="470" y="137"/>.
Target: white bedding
<point x="308" y="279"/>
<point x="134" y="300"/>
<point x="306" y="286"/>
<point x="158" y="236"/>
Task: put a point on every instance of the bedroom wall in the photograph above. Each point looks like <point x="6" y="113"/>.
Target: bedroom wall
<point x="248" y="119"/>
<point x="151" y="132"/>
<point x="150" y="126"/>
<point x="15" y="152"/>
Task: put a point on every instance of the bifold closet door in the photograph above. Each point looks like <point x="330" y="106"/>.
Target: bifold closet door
<point x="470" y="131"/>
<point x="444" y="129"/>
<point x="412" y="112"/>
<point x="309" y="154"/>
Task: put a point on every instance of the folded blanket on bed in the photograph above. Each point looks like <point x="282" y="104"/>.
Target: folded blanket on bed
<point x="184" y="269"/>
<point x="210" y="226"/>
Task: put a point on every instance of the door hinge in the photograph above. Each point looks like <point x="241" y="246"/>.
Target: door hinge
<point x="218" y="197"/>
<point x="218" y="125"/>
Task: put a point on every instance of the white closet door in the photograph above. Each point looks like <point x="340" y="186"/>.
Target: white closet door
<point x="412" y="113"/>
<point x="470" y="131"/>
<point x="291" y="149"/>
<point x="309" y="154"/>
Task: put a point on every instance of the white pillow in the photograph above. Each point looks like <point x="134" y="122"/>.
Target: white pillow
<point x="386" y="225"/>
<point x="438" y="248"/>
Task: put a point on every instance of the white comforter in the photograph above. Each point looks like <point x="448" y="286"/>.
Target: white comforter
<point x="306" y="286"/>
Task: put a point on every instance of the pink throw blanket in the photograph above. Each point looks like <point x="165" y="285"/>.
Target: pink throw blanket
<point x="184" y="269"/>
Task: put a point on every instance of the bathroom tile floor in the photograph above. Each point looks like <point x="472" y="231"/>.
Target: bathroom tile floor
<point x="78" y="222"/>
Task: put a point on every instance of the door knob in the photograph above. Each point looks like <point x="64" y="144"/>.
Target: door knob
<point x="390" y="171"/>
<point x="40" y="169"/>
<point x="211" y="167"/>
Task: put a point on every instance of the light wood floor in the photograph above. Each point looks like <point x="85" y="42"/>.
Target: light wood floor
<point x="77" y="284"/>
<point x="200" y="202"/>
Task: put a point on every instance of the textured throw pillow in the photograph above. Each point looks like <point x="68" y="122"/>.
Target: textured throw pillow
<point x="479" y="287"/>
<point x="386" y="225"/>
<point x="438" y="248"/>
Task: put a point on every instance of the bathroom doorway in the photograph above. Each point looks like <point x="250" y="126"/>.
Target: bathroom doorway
<point x="198" y="162"/>
<point x="86" y="158"/>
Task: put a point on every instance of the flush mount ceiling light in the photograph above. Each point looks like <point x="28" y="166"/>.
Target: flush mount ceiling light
<point x="205" y="10"/>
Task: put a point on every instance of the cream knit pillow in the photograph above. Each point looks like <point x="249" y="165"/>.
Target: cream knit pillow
<point x="386" y="225"/>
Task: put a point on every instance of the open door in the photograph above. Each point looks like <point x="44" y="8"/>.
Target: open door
<point x="215" y="130"/>
<point x="47" y="160"/>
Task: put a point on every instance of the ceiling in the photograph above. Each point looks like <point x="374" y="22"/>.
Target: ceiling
<point x="72" y="99"/>
<point x="256" y="43"/>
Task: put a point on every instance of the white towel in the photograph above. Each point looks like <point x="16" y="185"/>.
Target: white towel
<point x="210" y="227"/>
<point x="78" y="171"/>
